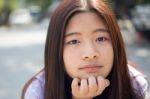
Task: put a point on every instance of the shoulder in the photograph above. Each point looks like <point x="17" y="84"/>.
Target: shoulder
<point x="139" y="82"/>
<point x="35" y="87"/>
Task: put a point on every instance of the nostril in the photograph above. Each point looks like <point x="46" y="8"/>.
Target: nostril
<point x="86" y="57"/>
<point x="90" y="57"/>
<point x="95" y="56"/>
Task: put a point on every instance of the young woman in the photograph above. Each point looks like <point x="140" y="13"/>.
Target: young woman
<point x="85" y="57"/>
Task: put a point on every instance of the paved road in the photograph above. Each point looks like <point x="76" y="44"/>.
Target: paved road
<point x="21" y="55"/>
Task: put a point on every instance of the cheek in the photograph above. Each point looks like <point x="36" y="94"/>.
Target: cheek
<point x="67" y="62"/>
<point x="66" y="57"/>
<point x="70" y="62"/>
<point x="107" y="52"/>
<point x="110" y="53"/>
<point x="110" y="58"/>
<point x="69" y="56"/>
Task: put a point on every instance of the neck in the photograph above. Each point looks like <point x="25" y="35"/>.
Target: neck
<point x="81" y="98"/>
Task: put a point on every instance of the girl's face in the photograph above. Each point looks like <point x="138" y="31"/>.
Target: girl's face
<point x="87" y="48"/>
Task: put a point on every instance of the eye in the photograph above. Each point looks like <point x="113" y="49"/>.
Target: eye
<point x="101" y="39"/>
<point x="72" y="42"/>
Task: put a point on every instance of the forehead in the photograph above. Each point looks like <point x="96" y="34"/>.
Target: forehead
<point x="85" y="20"/>
<point x="81" y="16"/>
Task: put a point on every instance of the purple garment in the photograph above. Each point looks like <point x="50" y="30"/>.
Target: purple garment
<point x="36" y="88"/>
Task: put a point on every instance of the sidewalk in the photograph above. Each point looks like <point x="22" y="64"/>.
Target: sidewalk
<point x="15" y="38"/>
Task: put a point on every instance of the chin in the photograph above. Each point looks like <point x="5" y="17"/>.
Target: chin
<point x="89" y="75"/>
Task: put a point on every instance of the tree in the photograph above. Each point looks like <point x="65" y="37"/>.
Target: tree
<point x="42" y="3"/>
<point x="123" y="7"/>
<point x="6" y="6"/>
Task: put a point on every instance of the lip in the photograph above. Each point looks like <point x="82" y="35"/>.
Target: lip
<point x="92" y="68"/>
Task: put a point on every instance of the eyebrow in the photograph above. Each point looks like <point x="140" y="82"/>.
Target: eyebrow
<point x="95" y="31"/>
<point x="100" y="30"/>
<point x="73" y="33"/>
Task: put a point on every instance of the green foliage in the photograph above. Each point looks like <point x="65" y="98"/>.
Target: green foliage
<point x="14" y="4"/>
<point x="1" y="4"/>
<point x="42" y="3"/>
<point x="125" y="2"/>
<point x="10" y="4"/>
<point x="146" y="1"/>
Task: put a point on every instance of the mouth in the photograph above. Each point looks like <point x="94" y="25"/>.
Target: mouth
<point x="91" y="68"/>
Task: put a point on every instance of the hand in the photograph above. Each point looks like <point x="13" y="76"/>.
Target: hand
<point x="88" y="88"/>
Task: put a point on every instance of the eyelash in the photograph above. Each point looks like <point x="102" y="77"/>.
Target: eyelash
<point x="99" y="39"/>
<point x="72" y="42"/>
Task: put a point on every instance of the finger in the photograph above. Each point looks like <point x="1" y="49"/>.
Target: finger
<point x="107" y="82"/>
<point x="101" y="84"/>
<point x="83" y="87"/>
<point x="92" y="86"/>
<point x="75" y="86"/>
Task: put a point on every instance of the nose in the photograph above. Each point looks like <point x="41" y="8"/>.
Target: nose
<point x="90" y="52"/>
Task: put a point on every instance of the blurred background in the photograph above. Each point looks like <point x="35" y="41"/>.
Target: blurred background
<point x="23" y="28"/>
